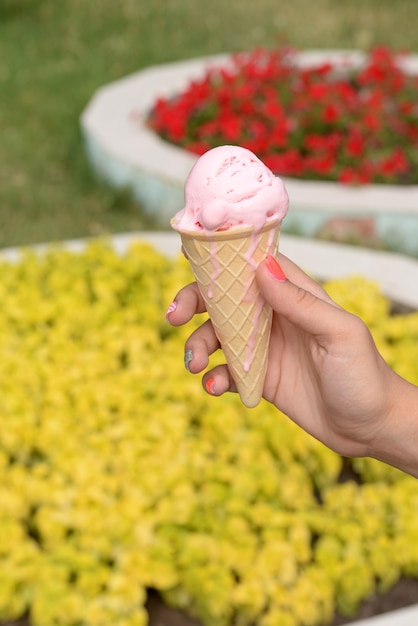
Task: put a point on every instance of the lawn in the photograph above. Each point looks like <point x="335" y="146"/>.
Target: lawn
<point x="55" y="54"/>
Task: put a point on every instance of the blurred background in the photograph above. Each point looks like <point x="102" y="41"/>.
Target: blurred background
<point x="55" y="54"/>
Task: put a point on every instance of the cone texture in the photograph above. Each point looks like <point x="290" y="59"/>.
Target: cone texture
<point x="224" y="265"/>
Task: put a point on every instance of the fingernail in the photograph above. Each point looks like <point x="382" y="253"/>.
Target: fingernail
<point x="188" y="356"/>
<point x="274" y="269"/>
<point x="171" y="309"/>
<point x="210" y="386"/>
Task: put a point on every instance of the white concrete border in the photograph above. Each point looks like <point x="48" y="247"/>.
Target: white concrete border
<point x="396" y="274"/>
<point x="126" y="153"/>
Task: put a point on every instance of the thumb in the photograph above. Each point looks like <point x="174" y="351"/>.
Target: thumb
<point x="308" y="307"/>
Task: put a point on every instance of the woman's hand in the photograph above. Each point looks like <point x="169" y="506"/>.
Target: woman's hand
<point x="324" y="370"/>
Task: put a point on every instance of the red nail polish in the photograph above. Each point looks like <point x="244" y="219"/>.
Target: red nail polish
<point x="275" y="269"/>
<point x="210" y="386"/>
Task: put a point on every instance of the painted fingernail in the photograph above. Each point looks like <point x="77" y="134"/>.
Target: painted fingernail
<point x="188" y="356"/>
<point x="171" y="309"/>
<point x="210" y="386"/>
<point x="274" y="269"/>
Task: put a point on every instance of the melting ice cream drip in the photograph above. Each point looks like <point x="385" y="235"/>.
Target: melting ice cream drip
<point x="260" y="302"/>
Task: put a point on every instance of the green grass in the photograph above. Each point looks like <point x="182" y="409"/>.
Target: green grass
<point x="55" y="53"/>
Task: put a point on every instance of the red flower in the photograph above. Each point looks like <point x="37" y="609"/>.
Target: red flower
<point x="322" y="165"/>
<point x="355" y="175"/>
<point x="317" y="91"/>
<point x="230" y="126"/>
<point x="288" y="163"/>
<point x="355" y="144"/>
<point x="331" y="113"/>
<point x="394" y="163"/>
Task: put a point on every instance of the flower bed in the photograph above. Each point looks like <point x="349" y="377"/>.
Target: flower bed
<point x="120" y="474"/>
<point x="327" y="122"/>
<point x="128" y="154"/>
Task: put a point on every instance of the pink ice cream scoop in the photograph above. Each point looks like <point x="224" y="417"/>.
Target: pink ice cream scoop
<point x="228" y="187"/>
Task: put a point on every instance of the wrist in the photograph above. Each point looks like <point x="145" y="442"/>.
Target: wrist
<point x="396" y="442"/>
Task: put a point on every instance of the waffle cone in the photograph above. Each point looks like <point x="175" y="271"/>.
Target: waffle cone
<point x="224" y="265"/>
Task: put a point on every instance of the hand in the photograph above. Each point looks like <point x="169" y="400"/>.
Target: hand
<point x="324" y="370"/>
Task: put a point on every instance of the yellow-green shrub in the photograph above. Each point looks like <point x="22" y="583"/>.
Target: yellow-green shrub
<point x="119" y="474"/>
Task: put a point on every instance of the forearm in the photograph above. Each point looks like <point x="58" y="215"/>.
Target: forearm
<point x="396" y="443"/>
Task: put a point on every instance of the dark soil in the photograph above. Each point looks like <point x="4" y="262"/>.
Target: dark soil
<point x="404" y="593"/>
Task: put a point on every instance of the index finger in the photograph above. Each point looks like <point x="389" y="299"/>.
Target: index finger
<point x="300" y="278"/>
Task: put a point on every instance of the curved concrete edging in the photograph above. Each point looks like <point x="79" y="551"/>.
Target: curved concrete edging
<point x="126" y="153"/>
<point x="396" y="274"/>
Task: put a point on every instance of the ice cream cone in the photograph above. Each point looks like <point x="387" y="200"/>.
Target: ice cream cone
<point x="224" y="264"/>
